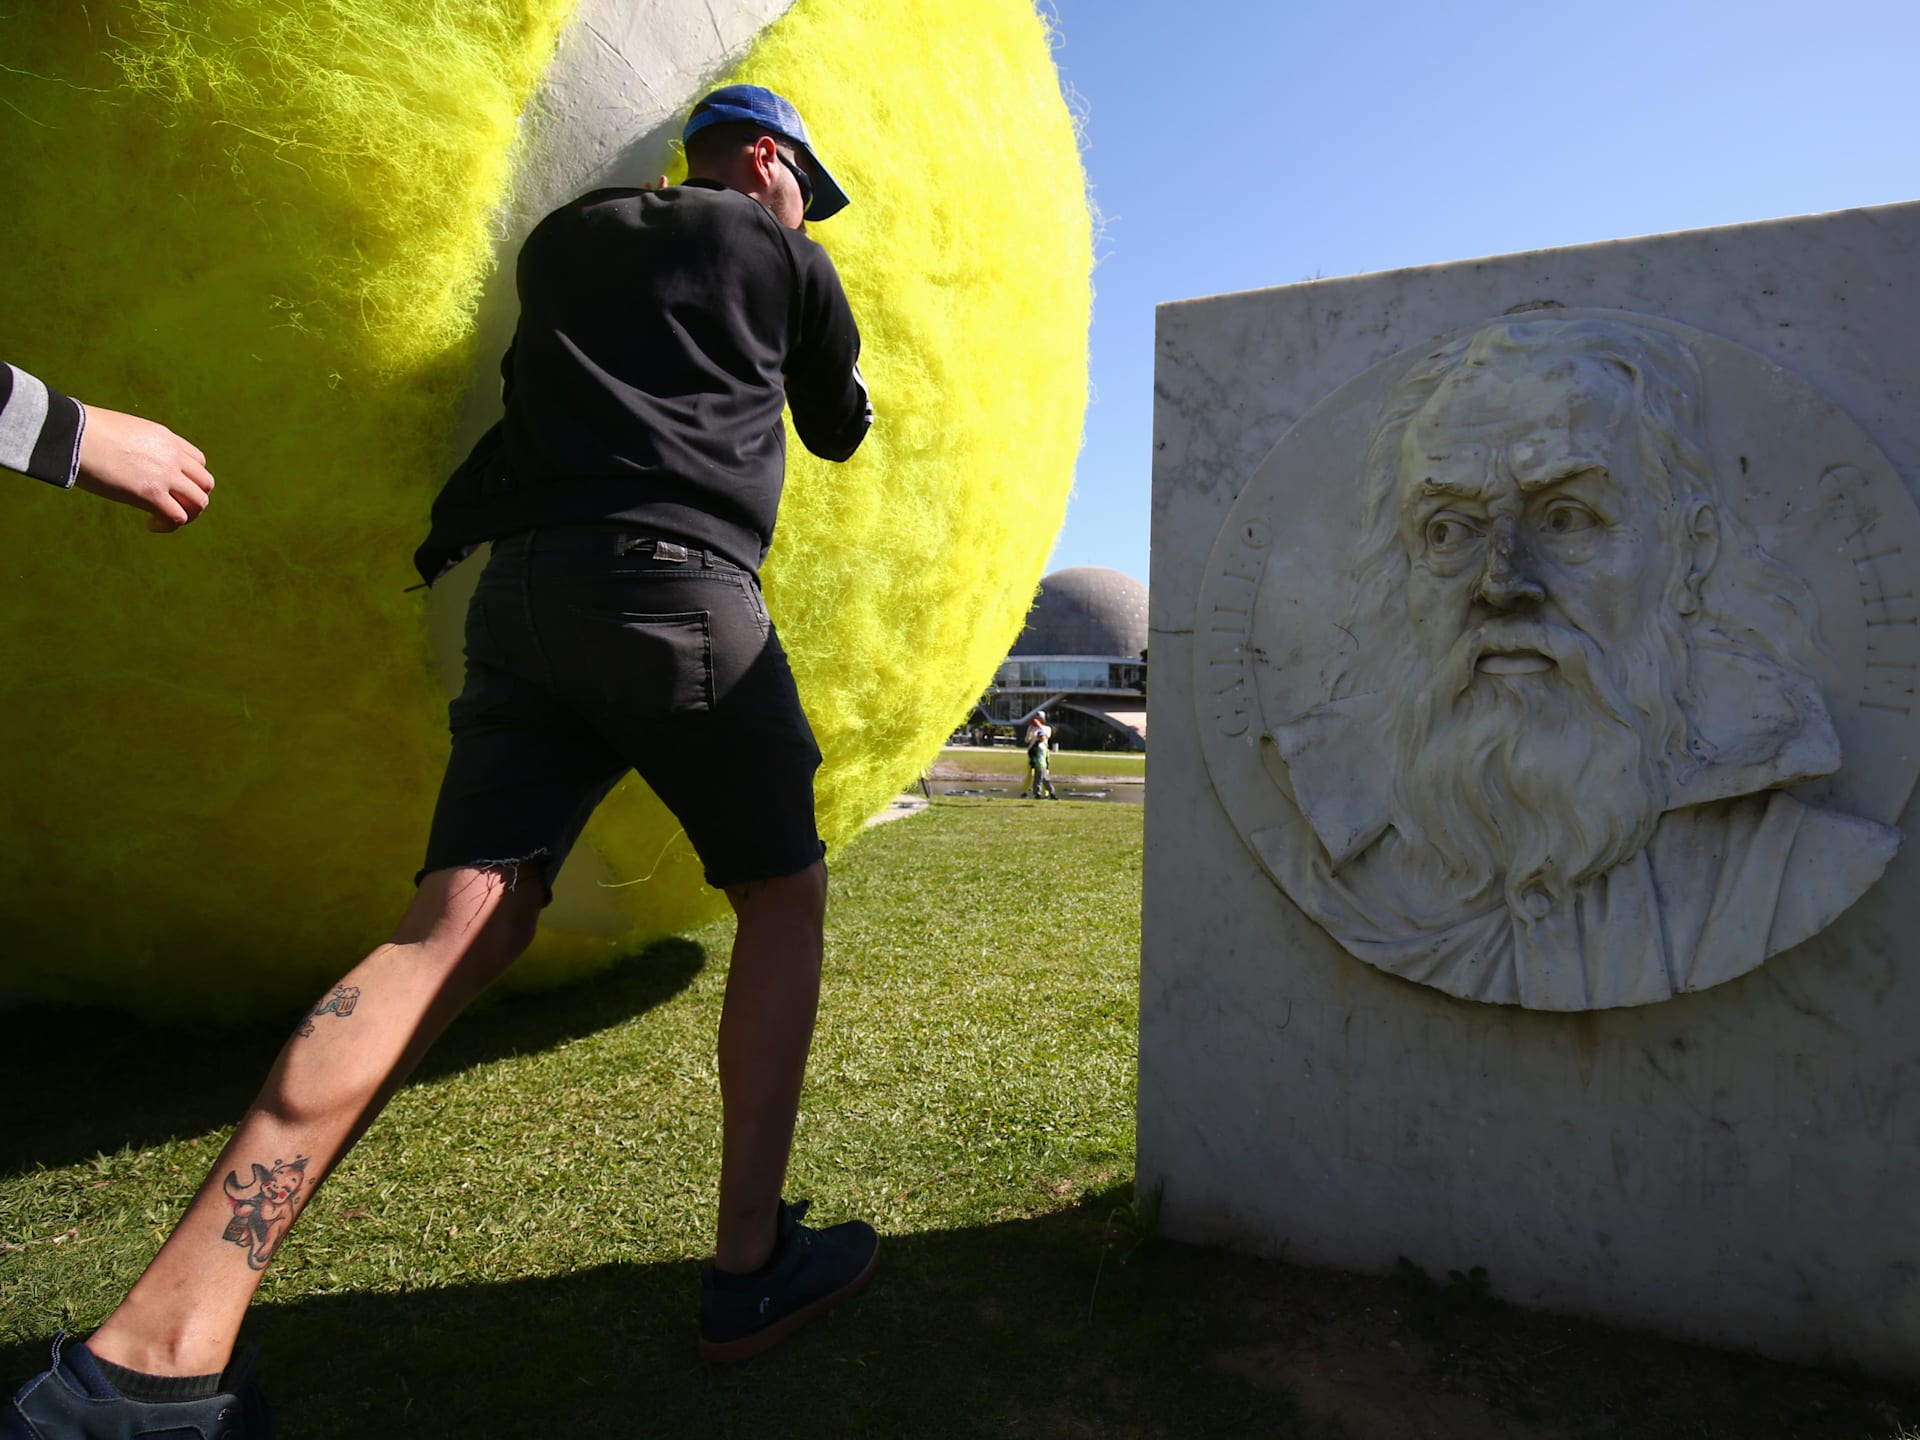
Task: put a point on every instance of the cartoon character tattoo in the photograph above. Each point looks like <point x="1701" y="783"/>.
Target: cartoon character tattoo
<point x="340" y="1003"/>
<point x="263" y="1211"/>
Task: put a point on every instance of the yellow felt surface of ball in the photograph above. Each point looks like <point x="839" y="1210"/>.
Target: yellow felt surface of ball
<point x="267" y="226"/>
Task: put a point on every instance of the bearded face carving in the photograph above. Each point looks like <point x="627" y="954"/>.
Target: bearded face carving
<point x="1552" y="769"/>
<point x="1548" y="576"/>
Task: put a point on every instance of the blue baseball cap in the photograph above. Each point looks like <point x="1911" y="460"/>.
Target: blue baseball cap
<point x="756" y="105"/>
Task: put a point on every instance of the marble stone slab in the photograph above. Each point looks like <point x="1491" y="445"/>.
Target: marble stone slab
<point x="1726" y="1150"/>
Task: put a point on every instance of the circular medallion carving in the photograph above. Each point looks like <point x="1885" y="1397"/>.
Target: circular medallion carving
<point x="1567" y="661"/>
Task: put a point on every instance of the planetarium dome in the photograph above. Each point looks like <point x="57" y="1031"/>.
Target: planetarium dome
<point x="1081" y="658"/>
<point x="1086" y="611"/>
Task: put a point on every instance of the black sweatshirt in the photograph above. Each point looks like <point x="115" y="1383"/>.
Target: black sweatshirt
<point x="660" y="332"/>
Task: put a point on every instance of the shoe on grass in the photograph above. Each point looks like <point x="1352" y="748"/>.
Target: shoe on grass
<point x="72" y="1400"/>
<point x="810" y="1271"/>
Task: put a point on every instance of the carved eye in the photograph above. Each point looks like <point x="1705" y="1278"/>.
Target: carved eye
<point x="1568" y="517"/>
<point x="1450" y="532"/>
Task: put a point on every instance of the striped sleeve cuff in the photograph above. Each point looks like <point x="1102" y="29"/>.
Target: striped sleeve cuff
<point x="39" y="429"/>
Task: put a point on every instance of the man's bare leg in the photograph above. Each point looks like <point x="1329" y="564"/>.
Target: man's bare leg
<point x="332" y="1078"/>
<point x="766" y="1029"/>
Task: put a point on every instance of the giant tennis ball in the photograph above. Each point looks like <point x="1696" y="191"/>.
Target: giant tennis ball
<point x="272" y="226"/>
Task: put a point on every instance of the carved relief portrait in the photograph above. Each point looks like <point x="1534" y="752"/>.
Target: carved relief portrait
<point x="1530" y="710"/>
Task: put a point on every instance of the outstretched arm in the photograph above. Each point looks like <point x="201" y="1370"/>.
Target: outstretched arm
<point x="137" y="462"/>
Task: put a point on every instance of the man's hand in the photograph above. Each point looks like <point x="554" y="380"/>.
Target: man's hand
<point x="139" y="463"/>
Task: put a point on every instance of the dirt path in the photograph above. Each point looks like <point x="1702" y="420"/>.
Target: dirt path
<point x="1407" y="1359"/>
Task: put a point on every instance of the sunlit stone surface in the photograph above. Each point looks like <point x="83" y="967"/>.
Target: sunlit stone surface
<point x="1541" y="631"/>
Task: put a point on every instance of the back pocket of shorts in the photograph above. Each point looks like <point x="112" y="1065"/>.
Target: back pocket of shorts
<point x="648" y="667"/>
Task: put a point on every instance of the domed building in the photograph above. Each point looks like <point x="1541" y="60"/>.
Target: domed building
<point x="1082" y="659"/>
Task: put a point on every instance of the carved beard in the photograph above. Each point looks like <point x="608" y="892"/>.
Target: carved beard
<point x="1504" y="784"/>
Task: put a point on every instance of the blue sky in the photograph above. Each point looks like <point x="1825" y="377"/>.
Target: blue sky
<point x="1252" y="143"/>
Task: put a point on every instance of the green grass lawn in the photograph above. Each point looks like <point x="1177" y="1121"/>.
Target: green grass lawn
<point x="513" y="1249"/>
<point x="518" y="1235"/>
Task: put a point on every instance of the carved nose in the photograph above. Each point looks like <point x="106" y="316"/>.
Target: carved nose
<point x="1507" y="580"/>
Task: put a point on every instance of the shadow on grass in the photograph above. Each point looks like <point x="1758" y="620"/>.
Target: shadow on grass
<point x="1059" y="1326"/>
<point x="990" y="1331"/>
<point x="82" y="1081"/>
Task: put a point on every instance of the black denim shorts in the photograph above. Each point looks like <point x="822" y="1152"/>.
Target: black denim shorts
<point x="595" y="650"/>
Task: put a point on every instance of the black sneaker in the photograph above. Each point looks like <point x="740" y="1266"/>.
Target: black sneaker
<point x="811" y="1271"/>
<point x="72" y="1400"/>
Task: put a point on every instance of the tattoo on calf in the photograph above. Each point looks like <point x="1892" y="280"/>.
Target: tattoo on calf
<point x="340" y="1003"/>
<point x="263" y="1210"/>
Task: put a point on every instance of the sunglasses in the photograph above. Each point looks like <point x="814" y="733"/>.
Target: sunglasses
<point x="801" y="179"/>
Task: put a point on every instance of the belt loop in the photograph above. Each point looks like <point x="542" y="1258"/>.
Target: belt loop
<point x="669" y="552"/>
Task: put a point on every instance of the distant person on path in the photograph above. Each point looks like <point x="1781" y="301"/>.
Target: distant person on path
<point x="630" y="493"/>
<point x="1039" y="736"/>
<point x="55" y="438"/>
